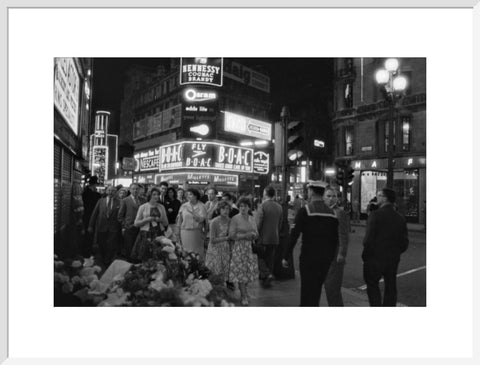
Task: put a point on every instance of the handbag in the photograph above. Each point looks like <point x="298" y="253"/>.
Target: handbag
<point x="258" y="248"/>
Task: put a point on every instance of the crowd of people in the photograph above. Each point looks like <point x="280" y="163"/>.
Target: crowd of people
<point x="238" y="237"/>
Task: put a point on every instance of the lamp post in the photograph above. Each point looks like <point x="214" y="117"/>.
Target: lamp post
<point x="285" y="115"/>
<point x="393" y="85"/>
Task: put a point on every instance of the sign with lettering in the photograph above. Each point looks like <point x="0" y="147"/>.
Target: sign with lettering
<point x="204" y="178"/>
<point x="240" y="73"/>
<point x="206" y="155"/>
<point x="66" y="90"/>
<point x="201" y="70"/>
<point x="147" y="160"/>
<point x="261" y="162"/>
<point x="247" y="126"/>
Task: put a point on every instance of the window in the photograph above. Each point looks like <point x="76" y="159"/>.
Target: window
<point x="348" y="141"/>
<point x="348" y="95"/>
<point x="406" y="127"/>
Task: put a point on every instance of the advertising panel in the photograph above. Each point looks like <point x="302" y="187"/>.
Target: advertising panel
<point x="201" y="70"/>
<point x="261" y="162"/>
<point x="198" y="178"/>
<point x="206" y="155"/>
<point x="140" y="129"/>
<point x="99" y="163"/>
<point x="66" y="90"/>
<point x="246" y="126"/>
<point x="147" y="160"/>
<point x="240" y="73"/>
<point x="172" y="117"/>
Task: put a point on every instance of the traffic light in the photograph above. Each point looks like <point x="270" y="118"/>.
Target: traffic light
<point x="340" y="176"/>
<point x="294" y="140"/>
<point x="349" y="174"/>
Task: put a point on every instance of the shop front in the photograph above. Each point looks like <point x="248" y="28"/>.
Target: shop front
<point x="409" y="183"/>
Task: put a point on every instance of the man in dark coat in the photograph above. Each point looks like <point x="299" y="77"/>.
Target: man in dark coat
<point x="318" y="225"/>
<point x="386" y="238"/>
<point x="269" y="224"/>
<point x="126" y="216"/>
<point x="104" y="221"/>
<point x="90" y="197"/>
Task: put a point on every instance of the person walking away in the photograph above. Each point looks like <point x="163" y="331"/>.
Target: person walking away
<point x="192" y="216"/>
<point x="90" y="197"/>
<point x="333" y="282"/>
<point x="172" y="206"/>
<point x="126" y="216"/>
<point x="104" y="222"/>
<point x="152" y="222"/>
<point x="386" y="238"/>
<point x="318" y="225"/>
<point x="243" y="264"/>
<point x="269" y="220"/>
<point x="218" y="251"/>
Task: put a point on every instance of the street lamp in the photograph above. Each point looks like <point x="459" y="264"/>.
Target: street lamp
<point x="285" y="115"/>
<point x="393" y="85"/>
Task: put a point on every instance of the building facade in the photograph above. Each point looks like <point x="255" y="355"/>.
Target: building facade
<point x="360" y="125"/>
<point x="72" y="103"/>
<point x="198" y="122"/>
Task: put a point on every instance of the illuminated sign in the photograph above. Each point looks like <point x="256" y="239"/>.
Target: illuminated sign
<point x="201" y="70"/>
<point x="147" y="160"/>
<point x="193" y="95"/>
<point x="206" y="155"/>
<point x="247" y="126"/>
<point x="318" y="143"/>
<point x="66" y="90"/>
<point x="204" y="178"/>
<point x="99" y="163"/>
<point x="261" y="162"/>
<point x="201" y="129"/>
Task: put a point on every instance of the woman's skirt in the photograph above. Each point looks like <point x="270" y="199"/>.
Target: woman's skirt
<point x="192" y="240"/>
<point x="244" y="263"/>
<point x="218" y="258"/>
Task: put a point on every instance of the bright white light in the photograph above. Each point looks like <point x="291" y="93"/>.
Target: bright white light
<point x="391" y="64"/>
<point x="201" y="129"/>
<point x="261" y="143"/>
<point x="89" y="72"/>
<point x="381" y="76"/>
<point x="400" y="83"/>
<point x="190" y="94"/>
<point x="330" y="172"/>
<point x="294" y="155"/>
<point x="318" y="143"/>
<point x="246" y="143"/>
<point x="304" y="163"/>
<point x="303" y="174"/>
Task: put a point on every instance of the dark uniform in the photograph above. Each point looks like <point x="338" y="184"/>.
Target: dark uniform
<point x="319" y="227"/>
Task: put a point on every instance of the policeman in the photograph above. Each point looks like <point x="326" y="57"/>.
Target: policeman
<point x="318" y="225"/>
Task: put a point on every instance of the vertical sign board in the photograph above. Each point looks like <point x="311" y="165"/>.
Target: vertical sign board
<point x="66" y="90"/>
<point x="201" y="70"/>
<point x="99" y="163"/>
<point x="261" y="162"/>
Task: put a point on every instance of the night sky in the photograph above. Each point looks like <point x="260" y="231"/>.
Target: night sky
<point x="301" y="83"/>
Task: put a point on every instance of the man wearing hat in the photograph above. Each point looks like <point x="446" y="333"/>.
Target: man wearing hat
<point x="318" y="225"/>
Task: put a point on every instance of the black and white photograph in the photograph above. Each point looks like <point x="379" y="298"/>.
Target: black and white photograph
<point x="263" y="182"/>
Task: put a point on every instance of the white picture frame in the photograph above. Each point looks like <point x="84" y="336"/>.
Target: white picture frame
<point x="452" y="184"/>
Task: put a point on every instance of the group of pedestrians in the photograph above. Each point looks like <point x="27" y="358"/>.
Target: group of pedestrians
<point x="225" y="232"/>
